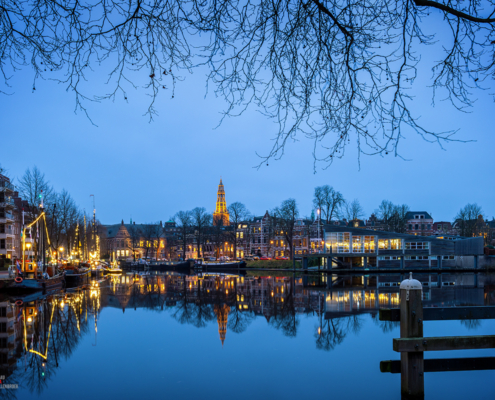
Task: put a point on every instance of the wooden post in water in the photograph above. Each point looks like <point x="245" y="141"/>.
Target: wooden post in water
<point x="411" y="326"/>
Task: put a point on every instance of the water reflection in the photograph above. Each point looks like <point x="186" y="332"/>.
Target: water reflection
<point x="36" y="331"/>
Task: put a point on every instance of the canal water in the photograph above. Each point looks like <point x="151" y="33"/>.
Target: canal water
<point x="217" y="336"/>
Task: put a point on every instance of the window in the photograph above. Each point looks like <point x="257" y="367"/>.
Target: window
<point x="3" y="342"/>
<point x="417" y="258"/>
<point x="416" y="226"/>
<point x="390" y="244"/>
<point x="339" y="242"/>
<point x="428" y="226"/>
<point x="422" y="227"/>
<point x="3" y="311"/>
<point x="395" y="244"/>
<point x="369" y="244"/>
<point x="410" y="227"/>
<point x="3" y="327"/>
<point x="417" y="245"/>
<point x="357" y="244"/>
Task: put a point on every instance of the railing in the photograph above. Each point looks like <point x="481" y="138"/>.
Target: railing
<point x="7" y="231"/>
<point x="7" y="202"/>
<point x="4" y="185"/>
<point x="6" y="246"/>
<point x="6" y="215"/>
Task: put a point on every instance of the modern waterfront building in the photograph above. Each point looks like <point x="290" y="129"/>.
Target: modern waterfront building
<point x="348" y="246"/>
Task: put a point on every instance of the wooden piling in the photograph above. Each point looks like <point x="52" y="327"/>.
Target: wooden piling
<point x="412" y="363"/>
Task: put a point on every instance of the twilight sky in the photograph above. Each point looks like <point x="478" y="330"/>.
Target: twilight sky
<point x="149" y="171"/>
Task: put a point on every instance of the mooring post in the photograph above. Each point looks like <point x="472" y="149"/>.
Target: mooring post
<point x="305" y="262"/>
<point x="475" y="262"/>
<point x="411" y="326"/>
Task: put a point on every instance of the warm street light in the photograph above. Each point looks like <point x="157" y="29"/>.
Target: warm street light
<point x="28" y="245"/>
<point x="61" y="248"/>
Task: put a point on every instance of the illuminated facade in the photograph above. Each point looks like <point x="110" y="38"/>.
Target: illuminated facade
<point x="7" y="233"/>
<point x="221" y="213"/>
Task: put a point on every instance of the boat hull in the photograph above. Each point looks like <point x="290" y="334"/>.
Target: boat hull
<point x="221" y="265"/>
<point x="78" y="279"/>
<point x="185" y="266"/>
<point x="30" y="284"/>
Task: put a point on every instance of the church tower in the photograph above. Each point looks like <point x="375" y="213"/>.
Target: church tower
<point x="221" y="212"/>
<point x="222" y="313"/>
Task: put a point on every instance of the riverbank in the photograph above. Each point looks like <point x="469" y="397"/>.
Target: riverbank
<point x="272" y="264"/>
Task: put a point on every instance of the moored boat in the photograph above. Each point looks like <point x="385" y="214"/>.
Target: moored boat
<point x="34" y="284"/>
<point x="181" y="266"/>
<point x="230" y="265"/>
<point x="75" y="276"/>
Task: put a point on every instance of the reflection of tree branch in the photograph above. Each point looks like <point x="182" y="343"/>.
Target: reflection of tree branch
<point x="471" y="323"/>
<point x="335" y="330"/>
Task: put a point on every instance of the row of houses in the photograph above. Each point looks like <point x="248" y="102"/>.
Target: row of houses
<point x="264" y="237"/>
<point x="11" y="216"/>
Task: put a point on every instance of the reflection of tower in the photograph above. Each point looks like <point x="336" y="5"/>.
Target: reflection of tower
<point x="221" y="213"/>
<point x="222" y="318"/>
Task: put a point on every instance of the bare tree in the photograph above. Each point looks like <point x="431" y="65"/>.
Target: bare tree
<point x="393" y="216"/>
<point x="32" y="185"/>
<point x="328" y="201"/>
<point x="135" y="238"/>
<point x="218" y="235"/>
<point x="351" y="210"/>
<point x="201" y="221"/>
<point x="68" y="214"/>
<point x="286" y="216"/>
<point x="331" y="70"/>
<point x="151" y="234"/>
<point x="467" y="221"/>
<point x="238" y="213"/>
<point x="184" y="222"/>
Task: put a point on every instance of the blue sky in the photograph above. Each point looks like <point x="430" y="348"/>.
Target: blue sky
<point x="149" y="171"/>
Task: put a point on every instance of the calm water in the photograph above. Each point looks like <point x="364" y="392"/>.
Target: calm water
<point x="224" y="337"/>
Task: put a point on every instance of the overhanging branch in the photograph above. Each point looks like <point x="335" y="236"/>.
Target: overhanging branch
<point x="460" y="14"/>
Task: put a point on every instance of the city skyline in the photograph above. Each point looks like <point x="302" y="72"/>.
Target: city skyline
<point x="126" y="161"/>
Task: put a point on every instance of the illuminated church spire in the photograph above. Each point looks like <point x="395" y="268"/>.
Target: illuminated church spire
<point x="221" y="212"/>
<point x="222" y="319"/>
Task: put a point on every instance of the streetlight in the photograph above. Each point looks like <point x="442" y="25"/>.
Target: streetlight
<point x="318" y="212"/>
<point x="60" y="249"/>
<point x="28" y="245"/>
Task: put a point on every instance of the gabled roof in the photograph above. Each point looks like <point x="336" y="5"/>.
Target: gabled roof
<point x="112" y="230"/>
<point x="411" y="214"/>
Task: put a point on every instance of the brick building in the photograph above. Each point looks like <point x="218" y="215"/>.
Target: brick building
<point x="419" y="223"/>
